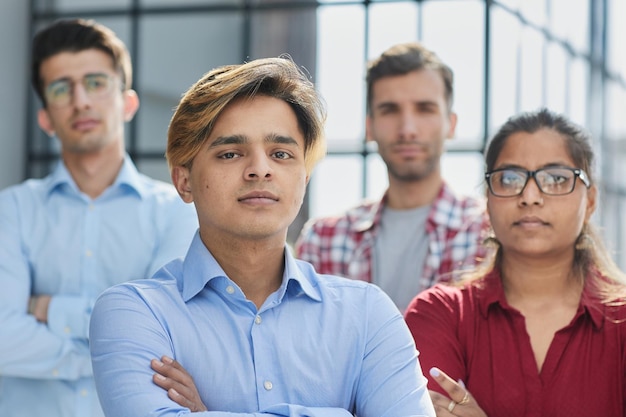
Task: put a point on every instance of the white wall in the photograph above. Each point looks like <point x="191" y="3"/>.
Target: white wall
<point x="14" y="72"/>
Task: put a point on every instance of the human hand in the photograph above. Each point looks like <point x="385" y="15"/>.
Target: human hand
<point x="172" y="377"/>
<point x="462" y="403"/>
<point x="38" y="307"/>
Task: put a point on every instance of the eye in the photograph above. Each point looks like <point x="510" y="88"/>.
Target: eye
<point x="58" y="89"/>
<point x="228" y="155"/>
<point x="557" y="177"/>
<point x="281" y="155"/>
<point x="96" y="82"/>
<point x="511" y="178"/>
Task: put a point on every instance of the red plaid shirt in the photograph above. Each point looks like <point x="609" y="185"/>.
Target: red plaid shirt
<point x="344" y="245"/>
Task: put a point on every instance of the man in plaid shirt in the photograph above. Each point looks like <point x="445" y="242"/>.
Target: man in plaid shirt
<point x="420" y="232"/>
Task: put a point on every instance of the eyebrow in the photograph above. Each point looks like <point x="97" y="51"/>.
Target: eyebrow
<point x="419" y="103"/>
<point x="89" y="74"/>
<point x="548" y="165"/>
<point x="242" y="140"/>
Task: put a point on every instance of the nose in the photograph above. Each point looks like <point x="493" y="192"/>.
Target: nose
<point x="531" y="194"/>
<point x="408" y="125"/>
<point x="258" y="168"/>
<point x="80" y="98"/>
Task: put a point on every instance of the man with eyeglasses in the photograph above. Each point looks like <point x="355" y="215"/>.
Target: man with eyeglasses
<point x="95" y="221"/>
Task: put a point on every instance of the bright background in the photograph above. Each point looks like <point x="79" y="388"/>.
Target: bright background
<point x="508" y="56"/>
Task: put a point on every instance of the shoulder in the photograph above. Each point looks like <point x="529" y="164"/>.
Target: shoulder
<point x="362" y="212"/>
<point x="346" y="293"/>
<point x="450" y="298"/>
<point x="164" y="284"/>
<point x="459" y="211"/>
<point x="157" y="189"/>
<point x="24" y="198"/>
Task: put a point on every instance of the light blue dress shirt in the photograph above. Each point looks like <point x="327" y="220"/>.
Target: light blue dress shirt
<point x="56" y="240"/>
<point x="319" y="346"/>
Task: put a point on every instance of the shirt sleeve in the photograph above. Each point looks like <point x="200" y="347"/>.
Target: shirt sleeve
<point x="125" y="336"/>
<point x="30" y="349"/>
<point x="391" y="383"/>
<point x="434" y="320"/>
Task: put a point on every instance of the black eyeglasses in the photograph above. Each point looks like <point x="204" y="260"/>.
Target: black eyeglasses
<point x="510" y="182"/>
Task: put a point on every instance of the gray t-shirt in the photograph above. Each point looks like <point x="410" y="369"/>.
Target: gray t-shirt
<point x="400" y="252"/>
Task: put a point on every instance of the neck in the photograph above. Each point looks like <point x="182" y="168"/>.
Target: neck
<point x="94" y="172"/>
<point x="546" y="279"/>
<point x="404" y="195"/>
<point x="256" y="266"/>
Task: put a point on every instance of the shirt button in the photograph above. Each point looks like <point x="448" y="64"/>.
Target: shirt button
<point x="268" y="385"/>
<point x="88" y="253"/>
<point x="55" y="372"/>
<point x="67" y="330"/>
<point x="230" y="289"/>
<point x="83" y="393"/>
<point x="258" y="320"/>
<point x="91" y="207"/>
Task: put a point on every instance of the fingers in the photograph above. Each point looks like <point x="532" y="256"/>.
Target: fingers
<point x="455" y="391"/>
<point x="172" y="377"/>
<point x="457" y="402"/>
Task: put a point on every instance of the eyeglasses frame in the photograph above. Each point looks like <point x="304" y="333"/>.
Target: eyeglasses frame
<point x="576" y="171"/>
<point x="111" y="79"/>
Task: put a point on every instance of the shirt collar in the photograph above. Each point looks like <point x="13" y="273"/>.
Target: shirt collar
<point x="128" y="177"/>
<point x="200" y="267"/>
<point x="491" y="292"/>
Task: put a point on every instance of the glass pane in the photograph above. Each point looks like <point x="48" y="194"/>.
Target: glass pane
<point x="557" y="78"/>
<point x="534" y="11"/>
<point x="285" y="31"/>
<point x="389" y="24"/>
<point x="531" y="70"/>
<point x="575" y="27"/>
<point x="445" y="23"/>
<point x="377" y="179"/>
<point x="578" y="91"/>
<point x="616" y="33"/>
<point x="464" y="172"/>
<point x="505" y="35"/>
<point x="155" y="168"/>
<point x="79" y="5"/>
<point x="341" y="72"/>
<point x="174" y="4"/>
<point x="615" y="123"/>
<point x="175" y="51"/>
<point x="335" y="185"/>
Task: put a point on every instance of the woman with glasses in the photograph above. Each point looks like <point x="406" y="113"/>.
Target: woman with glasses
<point x="540" y="328"/>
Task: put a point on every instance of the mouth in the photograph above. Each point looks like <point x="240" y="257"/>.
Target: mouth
<point x="258" y="197"/>
<point x="531" y="222"/>
<point x="410" y="150"/>
<point x="85" y="124"/>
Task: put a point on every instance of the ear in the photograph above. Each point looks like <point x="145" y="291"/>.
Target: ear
<point x="452" y="119"/>
<point x="43" y="119"/>
<point x="592" y="195"/>
<point x="131" y="104"/>
<point x="182" y="183"/>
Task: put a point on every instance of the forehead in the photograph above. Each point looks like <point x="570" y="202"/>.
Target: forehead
<point x="535" y="150"/>
<point x="259" y="117"/>
<point x="75" y="65"/>
<point x="419" y="85"/>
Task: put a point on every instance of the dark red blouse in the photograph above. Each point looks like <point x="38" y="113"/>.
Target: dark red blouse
<point x="473" y="334"/>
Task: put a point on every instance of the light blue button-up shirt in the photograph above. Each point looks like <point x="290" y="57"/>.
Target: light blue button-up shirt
<point x="319" y="346"/>
<point x="56" y="240"/>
